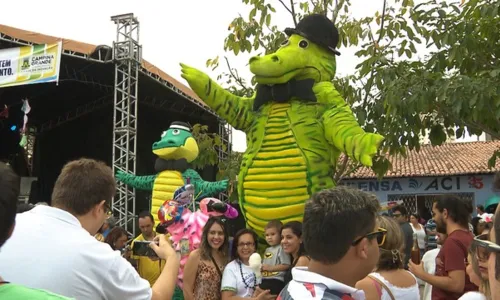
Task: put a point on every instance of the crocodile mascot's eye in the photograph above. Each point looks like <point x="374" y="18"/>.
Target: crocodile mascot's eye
<point x="303" y="44"/>
<point x="163" y="134"/>
<point x="176" y="132"/>
<point x="285" y="43"/>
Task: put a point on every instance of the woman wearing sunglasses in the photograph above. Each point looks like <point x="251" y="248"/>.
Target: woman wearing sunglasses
<point x="390" y="280"/>
<point x="477" y="272"/>
<point x="491" y="251"/>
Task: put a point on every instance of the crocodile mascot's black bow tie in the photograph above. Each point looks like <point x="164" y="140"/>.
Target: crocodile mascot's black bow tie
<point x="281" y="93"/>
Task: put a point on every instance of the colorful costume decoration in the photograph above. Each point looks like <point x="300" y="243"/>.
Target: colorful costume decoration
<point x="26" y="108"/>
<point x="175" y="150"/>
<point x="297" y="124"/>
<point x="186" y="231"/>
<point x="171" y="211"/>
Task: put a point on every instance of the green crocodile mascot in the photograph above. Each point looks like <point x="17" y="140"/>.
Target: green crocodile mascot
<point x="297" y="124"/>
<point x="175" y="150"/>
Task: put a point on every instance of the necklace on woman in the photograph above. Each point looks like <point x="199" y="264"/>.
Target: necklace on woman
<point x="244" y="281"/>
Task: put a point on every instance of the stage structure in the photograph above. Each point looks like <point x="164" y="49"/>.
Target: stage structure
<point x="87" y="88"/>
<point x="127" y="57"/>
<point x="226" y="134"/>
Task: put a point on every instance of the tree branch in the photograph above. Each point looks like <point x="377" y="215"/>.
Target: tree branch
<point x="336" y="10"/>
<point x="382" y="19"/>
<point x="338" y="173"/>
<point x="292" y="6"/>
<point x="291" y="11"/>
<point x="314" y="3"/>
<point x="341" y="172"/>
<point x="481" y="127"/>
<point x="325" y="6"/>
<point x="236" y="78"/>
<point x="444" y="111"/>
<point x="375" y="51"/>
<point x="352" y="170"/>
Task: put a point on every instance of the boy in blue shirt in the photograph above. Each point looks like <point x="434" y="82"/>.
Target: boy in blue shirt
<point x="275" y="261"/>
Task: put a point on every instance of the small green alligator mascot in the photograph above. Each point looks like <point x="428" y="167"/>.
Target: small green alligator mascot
<point x="297" y="124"/>
<point x="175" y="150"/>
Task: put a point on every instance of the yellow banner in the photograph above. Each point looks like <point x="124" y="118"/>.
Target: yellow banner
<point x="30" y="64"/>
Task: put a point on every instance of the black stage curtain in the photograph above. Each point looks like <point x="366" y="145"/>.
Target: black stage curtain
<point x="89" y="136"/>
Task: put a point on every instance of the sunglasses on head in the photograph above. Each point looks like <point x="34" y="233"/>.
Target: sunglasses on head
<point x="484" y="247"/>
<point x="379" y="235"/>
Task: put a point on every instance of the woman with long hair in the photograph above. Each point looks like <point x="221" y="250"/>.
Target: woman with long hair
<point x="117" y="238"/>
<point x="419" y="230"/>
<point x="291" y="241"/>
<point x="204" y="267"/>
<point x="390" y="280"/>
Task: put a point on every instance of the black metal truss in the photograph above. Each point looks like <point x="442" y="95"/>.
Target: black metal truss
<point x="226" y="134"/>
<point x="175" y="89"/>
<point x="177" y="106"/>
<point x="72" y="74"/>
<point x="77" y="112"/>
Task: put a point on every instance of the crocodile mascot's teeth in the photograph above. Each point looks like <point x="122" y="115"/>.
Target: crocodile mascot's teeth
<point x="297" y="124"/>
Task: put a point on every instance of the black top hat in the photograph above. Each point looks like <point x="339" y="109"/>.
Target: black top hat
<point x="319" y="30"/>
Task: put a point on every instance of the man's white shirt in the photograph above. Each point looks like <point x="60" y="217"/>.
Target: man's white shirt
<point x="429" y="263"/>
<point x="50" y="250"/>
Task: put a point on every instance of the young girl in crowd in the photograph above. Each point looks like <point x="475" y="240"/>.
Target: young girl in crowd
<point x="204" y="267"/>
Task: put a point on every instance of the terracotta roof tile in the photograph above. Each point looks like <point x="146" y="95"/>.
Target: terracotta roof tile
<point x="447" y="159"/>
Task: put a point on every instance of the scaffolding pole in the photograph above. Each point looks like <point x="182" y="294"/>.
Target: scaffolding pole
<point x="127" y="58"/>
<point x="224" y="152"/>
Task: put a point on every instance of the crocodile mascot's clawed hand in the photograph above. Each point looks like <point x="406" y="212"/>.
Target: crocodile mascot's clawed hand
<point x="297" y="124"/>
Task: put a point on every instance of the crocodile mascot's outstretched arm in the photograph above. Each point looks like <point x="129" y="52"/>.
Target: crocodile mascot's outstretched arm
<point x="137" y="182"/>
<point x="296" y="124"/>
<point x="204" y="188"/>
<point x="342" y="129"/>
<point x="237" y="111"/>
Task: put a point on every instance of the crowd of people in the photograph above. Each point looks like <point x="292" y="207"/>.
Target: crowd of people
<point x="343" y="249"/>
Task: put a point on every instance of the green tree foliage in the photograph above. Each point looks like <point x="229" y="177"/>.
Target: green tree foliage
<point x="427" y="67"/>
<point x="230" y="168"/>
<point x="209" y="144"/>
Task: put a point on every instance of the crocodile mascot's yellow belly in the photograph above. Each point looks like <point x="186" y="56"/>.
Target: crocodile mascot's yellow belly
<point x="276" y="184"/>
<point x="164" y="187"/>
